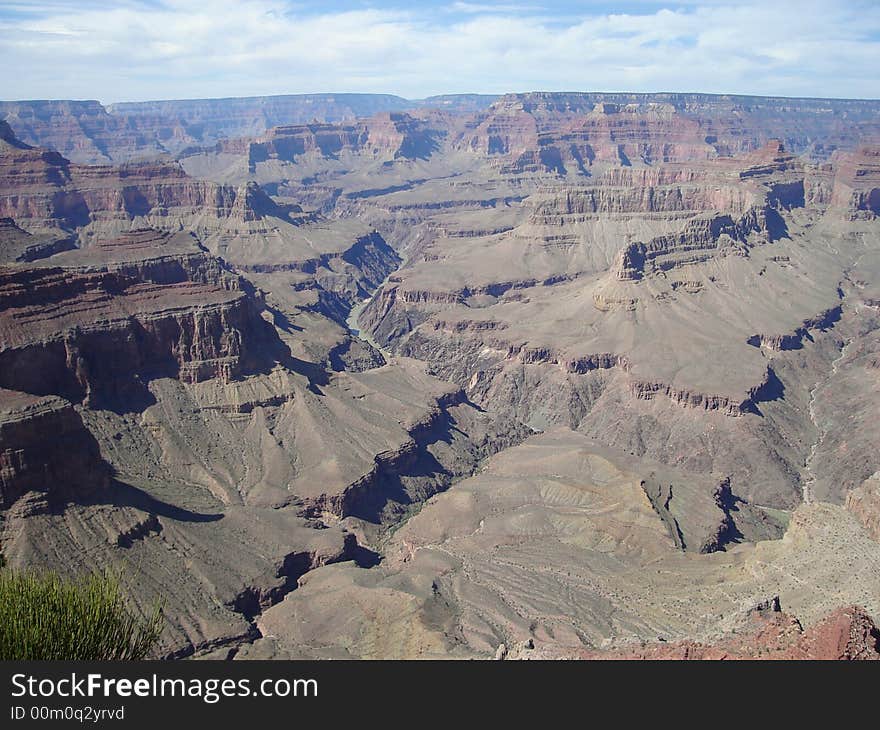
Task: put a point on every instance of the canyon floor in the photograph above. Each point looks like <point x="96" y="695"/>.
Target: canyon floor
<point x="534" y="376"/>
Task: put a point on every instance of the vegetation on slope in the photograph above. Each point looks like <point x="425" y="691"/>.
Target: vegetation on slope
<point x="46" y="617"/>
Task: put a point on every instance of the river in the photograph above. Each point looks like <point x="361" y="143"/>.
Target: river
<point x="352" y="321"/>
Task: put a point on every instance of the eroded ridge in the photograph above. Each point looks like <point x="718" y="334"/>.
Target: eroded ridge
<point x="545" y="375"/>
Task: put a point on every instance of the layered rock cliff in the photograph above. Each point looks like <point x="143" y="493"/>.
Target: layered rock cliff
<point x="649" y="331"/>
<point x="573" y="132"/>
<point x="71" y="469"/>
<point x="42" y="190"/>
<point x="385" y="136"/>
<point x="89" y="133"/>
<point x="104" y="331"/>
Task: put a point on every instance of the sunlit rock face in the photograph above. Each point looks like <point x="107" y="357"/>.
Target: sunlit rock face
<point x="547" y="375"/>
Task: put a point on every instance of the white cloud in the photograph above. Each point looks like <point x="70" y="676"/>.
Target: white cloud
<point x="188" y="48"/>
<point x="493" y="8"/>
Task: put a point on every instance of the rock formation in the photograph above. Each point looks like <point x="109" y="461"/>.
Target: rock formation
<point x="89" y="133"/>
<point x="71" y="470"/>
<point x="847" y="634"/>
<point x="864" y="502"/>
<point x="582" y="375"/>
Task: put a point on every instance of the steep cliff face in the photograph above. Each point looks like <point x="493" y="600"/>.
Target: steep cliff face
<point x="551" y="334"/>
<point x="252" y="116"/>
<point x="572" y="205"/>
<point x="849" y="185"/>
<point x="89" y="133"/>
<point x="571" y="133"/>
<point x="525" y="139"/>
<point x="91" y="336"/>
<point x="537" y="131"/>
<point x="25" y="167"/>
<point x="701" y="239"/>
<point x="386" y="136"/>
<point x="648" y="328"/>
<point x="856" y="189"/>
<point x="157" y="257"/>
<point x="80" y="130"/>
<point x="70" y="468"/>
<point x="206" y="385"/>
<point x="89" y="323"/>
<point x="290" y="142"/>
<point x="864" y="503"/>
<point x="41" y="190"/>
<point x="8" y="138"/>
<point x="327" y="267"/>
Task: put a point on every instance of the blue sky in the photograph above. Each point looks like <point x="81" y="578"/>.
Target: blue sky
<point x="161" y="49"/>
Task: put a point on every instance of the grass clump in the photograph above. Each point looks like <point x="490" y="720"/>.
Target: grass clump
<point x="46" y="617"/>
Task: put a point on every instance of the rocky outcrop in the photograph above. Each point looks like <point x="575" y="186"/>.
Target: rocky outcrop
<point x="794" y="340"/>
<point x="385" y="136"/>
<point x="864" y="503"/>
<point x="702" y="238"/>
<point x="846" y="634"/>
<point x="856" y="187"/>
<point x="50" y="471"/>
<point x="8" y="138"/>
<point x="474" y="361"/>
<point x="383" y="486"/>
<point x="17" y="245"/>
<point x="584" y="203"/>
<point x="40" y="189"/>
<point x="158" y="257"/>
<point x="687" y="398"/>
<point x="84" y="131"/>
<point x="267" y="590"/>
<point x="92" y="336"/>
<point x="530" y="133"/>
<point x="571" y="133"/>
<point x="697" y="514"/>
<point x="373" y="257"/>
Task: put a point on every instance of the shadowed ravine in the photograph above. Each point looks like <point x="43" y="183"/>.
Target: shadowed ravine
<point x="549" y="375"/>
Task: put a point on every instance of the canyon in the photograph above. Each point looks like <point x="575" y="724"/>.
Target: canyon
<point x="537" y="376"/>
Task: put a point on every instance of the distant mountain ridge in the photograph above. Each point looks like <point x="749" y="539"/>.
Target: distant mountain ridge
<point x="88" y="132"/>
<point x="91" y="133"/>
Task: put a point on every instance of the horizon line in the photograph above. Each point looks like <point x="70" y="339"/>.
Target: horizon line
<point x="429" y="97"/>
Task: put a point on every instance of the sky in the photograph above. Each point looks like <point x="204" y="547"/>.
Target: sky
<point x="135" y="50"/>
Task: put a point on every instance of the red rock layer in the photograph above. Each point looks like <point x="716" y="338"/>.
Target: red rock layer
<point x="571" y="132"/>
<point x="40" y="188"/>
<point x="857" y="182"/>
<point x="846" y="634"/>
<point x="91" y="335"/>
<point x="387" y="136"/>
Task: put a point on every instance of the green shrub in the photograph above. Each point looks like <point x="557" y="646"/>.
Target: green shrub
<point x="43" y="616"/>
